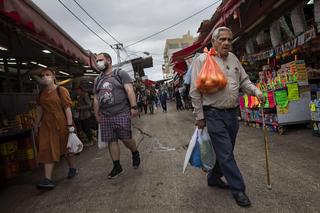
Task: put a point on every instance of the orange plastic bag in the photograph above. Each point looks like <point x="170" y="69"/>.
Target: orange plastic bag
<point x="211" y="78"/>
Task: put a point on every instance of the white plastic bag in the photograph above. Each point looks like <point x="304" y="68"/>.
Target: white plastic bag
<point x="208" y="156"/>
<point x="101" y="144"/>
<point x="190" y="149"/>
<point x="74" y="144"/>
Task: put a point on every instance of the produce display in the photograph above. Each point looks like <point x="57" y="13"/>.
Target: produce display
<point x="17" y="151"/>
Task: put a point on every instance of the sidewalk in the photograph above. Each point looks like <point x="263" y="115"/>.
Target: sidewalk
<point x="160" y="186"/>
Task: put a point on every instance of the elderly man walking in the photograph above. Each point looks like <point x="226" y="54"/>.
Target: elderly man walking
<point x="218" y="111"/>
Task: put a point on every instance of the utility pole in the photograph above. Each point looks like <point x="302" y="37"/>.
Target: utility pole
<point x="118" y="47"/>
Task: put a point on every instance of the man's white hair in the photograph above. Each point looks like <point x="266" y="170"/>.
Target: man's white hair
<point x="216" y="32"/>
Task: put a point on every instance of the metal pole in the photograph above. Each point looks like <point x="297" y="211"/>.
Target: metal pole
<point x="118" y="56"/>
<point x="19" y="75"/>
<point x="266" y="148"/>
<point x="118" y="47"/>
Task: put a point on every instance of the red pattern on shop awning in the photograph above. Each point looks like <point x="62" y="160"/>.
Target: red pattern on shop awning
<point x="184" y="53"/>
<point x="41" y="27"/>
<point x="149" y="83"/>
<point x="225" y="11"/>
<point x="180" y="67"/>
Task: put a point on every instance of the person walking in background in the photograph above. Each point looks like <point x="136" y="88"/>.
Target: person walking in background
<point x="163" y="100"/>
<point x="145" y="102"/>
<point x="182" y="92"/>
<point x="84" y="108"/>
<point x="114" y="105"/>
<point x="140" y="102"/>
<point x="178" y="99"/>
<point x="53" y="125"/>
<point x="218" y="111"/>
<point x="150" y="100"/>
<point x="157" y="94"/>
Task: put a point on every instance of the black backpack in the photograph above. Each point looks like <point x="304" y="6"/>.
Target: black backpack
<point x="115" y="74"/>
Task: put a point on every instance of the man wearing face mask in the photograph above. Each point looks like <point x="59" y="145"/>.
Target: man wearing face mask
<point x="218" y="111"/>
<point x="114" y="104"/>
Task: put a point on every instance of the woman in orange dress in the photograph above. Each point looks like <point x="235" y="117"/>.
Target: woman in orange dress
<point x="54" y="120"/>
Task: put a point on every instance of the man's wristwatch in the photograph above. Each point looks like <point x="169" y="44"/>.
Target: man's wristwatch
<point x="134" y="107"/>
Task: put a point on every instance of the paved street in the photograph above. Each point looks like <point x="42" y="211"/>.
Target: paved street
<point x="160" y="186"/>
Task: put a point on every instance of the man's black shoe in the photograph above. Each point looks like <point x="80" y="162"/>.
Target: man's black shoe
<point x="218" y="183"/>
<point x="136" y="160"/>
<point x="242" y="199"/>
<point x="116" y="171"/>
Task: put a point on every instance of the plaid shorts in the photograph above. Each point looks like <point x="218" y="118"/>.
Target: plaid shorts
<point x="116" y="127"/>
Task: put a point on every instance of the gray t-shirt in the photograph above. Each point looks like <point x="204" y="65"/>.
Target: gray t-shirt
<point x="110" y="92"/>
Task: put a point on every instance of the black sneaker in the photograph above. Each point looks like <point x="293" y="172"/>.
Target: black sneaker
<point x="136" y="160"/>
<point x="116" y="171"/>
<point x="72" y="173"/>
<point x="46" y="184"/>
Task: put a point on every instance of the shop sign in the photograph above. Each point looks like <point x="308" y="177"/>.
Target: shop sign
<point x="298" y="41"/>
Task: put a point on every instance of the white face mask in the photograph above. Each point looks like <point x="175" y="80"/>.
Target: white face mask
<point x="101" y="65"/>
<point x="46" y="80"/>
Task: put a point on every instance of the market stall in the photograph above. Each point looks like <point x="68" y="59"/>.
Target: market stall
<point x="287" y="97"/>
<point x="286" y="54"/>
<point x="29" y="40"/>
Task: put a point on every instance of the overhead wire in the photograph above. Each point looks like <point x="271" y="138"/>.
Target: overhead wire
<point x="173" y="25"/>
<point x="124" y="48"/>
<point x="85" y="24"/>
<point x="106" y="31"/>
<point x="95" y="21"/>
<point x="103" y="28"/>
<point x="145" y="52"/>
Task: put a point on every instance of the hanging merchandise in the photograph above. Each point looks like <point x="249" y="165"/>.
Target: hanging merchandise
<point x="241" y="103"/>
<point x="249" y="102"/>
<point x="271" y="100"/>
<point x="293" y="92"/>
<point x="284" y="49"/>
<point x="299" y="69"/>
<point x="275" y="33"/>
<point x="246" y="102"/>
<point x="299" y="20"/>
<point x="315" y="116"/>
<point x="287" y="97"/>
<point x="266" y="105"/>
<point x="281" y="98"/>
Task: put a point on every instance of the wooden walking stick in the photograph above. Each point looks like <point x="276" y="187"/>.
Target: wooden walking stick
<point x="266" y="148"/>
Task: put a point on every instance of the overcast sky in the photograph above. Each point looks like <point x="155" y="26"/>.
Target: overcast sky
<point x="129" y="21"/>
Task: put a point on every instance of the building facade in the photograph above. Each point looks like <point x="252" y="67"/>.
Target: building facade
<point x="174" y="45"/>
